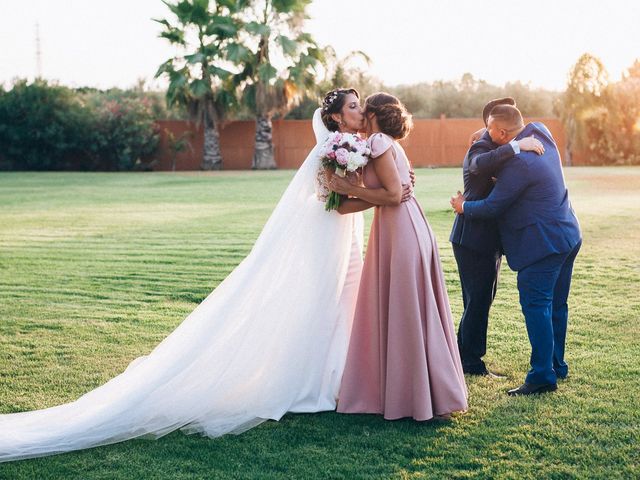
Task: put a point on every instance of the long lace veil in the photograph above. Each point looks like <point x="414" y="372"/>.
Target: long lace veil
<point x="270" y="338"/>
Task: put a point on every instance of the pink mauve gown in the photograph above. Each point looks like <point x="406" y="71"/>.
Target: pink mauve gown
<point x="403" y="358"/>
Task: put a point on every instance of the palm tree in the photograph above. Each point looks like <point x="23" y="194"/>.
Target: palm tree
<point x="347" y="70"/>
<point x="272" y="31"/>
<point x="200" y="77"/>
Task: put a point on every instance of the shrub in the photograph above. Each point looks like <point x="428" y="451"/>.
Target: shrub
<point x="124" y="133"/>
<point x="50" y="127"/>
<point x="42" y="127"/>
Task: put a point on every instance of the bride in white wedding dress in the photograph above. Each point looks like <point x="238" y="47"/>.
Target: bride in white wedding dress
<point x="271" y="338"/>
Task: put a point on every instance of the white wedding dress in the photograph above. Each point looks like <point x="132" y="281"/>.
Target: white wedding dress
<point x="271" y="338"/>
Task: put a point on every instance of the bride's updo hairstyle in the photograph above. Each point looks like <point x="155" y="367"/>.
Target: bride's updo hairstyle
<point x="392" y="116"/>
<point x="333" y="103"/>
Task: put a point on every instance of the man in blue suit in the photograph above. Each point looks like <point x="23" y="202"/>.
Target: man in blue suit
<point x="540" y="236"/>
<point x="476" y="243"/>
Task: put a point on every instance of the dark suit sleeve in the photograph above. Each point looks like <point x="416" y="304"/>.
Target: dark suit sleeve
<point x="512" y="182"/>
<point x="483" y="162"/>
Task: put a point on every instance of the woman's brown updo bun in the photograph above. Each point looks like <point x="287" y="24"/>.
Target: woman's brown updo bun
<point x="333" y="103"/>
<point x="392" y="116"/>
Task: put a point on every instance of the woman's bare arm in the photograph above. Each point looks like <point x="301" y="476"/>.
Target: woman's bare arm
<point x="353" y="205"/>
<point x="389" y="194"/>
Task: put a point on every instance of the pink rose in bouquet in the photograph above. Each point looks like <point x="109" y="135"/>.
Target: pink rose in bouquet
<point x="342" y="157"/>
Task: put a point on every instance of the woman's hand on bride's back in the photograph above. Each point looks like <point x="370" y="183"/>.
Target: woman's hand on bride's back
<point x="407" y="192"/>
<point x="412" y="176"/>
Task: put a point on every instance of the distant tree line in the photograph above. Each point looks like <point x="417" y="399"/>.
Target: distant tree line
<point x="462" y="98"/>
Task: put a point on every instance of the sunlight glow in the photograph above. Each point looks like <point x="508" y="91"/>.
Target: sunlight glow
<point x="408" y="41"/>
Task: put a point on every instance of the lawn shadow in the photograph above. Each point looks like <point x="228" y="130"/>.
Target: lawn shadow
<point x="493" y="440"/>
<point x="324" y="445"/>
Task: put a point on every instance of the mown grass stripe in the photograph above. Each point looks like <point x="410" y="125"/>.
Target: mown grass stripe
<point x="97" y="268"/>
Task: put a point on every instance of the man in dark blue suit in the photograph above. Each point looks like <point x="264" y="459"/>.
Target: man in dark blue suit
<point x="540" y="236"/>
<point x="476" y="244"/>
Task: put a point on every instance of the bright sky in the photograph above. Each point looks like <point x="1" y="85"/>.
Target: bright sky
<point x="107" y="43"/>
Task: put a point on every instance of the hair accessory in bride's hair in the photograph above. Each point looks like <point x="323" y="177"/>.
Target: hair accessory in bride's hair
<point x="329" y="99"/>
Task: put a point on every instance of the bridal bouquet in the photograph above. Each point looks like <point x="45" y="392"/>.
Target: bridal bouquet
<point x="345" y="152"/>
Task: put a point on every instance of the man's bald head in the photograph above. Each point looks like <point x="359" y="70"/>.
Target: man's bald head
<point x="508" y="116"/>
<point x="504" y="123"/>
<point x="497" y="101"/>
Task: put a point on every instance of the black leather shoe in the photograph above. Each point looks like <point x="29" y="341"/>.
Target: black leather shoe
<point x="484" y="373"/>
<point x="532" y="389"/>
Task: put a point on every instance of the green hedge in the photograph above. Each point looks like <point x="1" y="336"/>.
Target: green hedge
<point x="50" y="127"/>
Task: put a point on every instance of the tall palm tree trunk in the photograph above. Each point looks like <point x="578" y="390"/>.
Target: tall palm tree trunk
<point x="212" y="155"/>
<point x="263" y="157"/>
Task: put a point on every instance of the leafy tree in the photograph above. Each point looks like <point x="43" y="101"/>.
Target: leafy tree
<point x="281" y="63"/>
<point x="124" y="133"/>
<point x="177" y="145"/>
<point x="466" y="97"/>
<point x="350" y="71"/>
<point x="339" y="72"/>
<point x="633" y="72"/>
<point x="612" y="128"/>
<point x="582" y="99"/>
<point x="202" y="80"/>
<point x="602" y="117"/>
<point x="42" y="126"/>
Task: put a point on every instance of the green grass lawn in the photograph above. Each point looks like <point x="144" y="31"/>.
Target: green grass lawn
<point x="95" y="269"/>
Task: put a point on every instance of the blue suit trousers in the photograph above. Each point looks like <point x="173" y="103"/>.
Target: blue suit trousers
<point x="544" y="288"/>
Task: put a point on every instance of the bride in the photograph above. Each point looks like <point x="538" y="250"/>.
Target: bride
<point x="272" y="338"/>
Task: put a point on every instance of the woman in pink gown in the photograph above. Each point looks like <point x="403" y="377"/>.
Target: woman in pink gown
<point x="403" y="359"/>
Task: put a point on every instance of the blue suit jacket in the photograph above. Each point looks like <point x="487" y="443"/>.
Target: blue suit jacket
<point x="531" y="201"/>
<point x="480" y="164"/>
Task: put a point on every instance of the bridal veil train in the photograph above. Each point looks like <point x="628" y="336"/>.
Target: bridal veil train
<point x="271" y="338"/>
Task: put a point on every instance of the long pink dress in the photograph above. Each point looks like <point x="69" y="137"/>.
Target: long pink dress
<point x="403" y="358"/>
